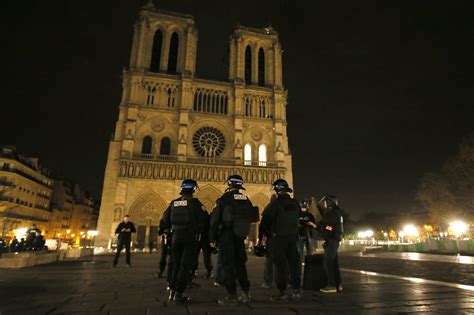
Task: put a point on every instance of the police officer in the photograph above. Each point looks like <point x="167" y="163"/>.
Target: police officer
<point x="124" y="231"/>
<point x="306" y="225"/>
<point x="230" y="225"/>
<point x="331" y="229"/>
<point x="204" y="246"/>
<point x="182" y="217"/>
<point x="269" y="270"/>
<point x="280" y="222"/>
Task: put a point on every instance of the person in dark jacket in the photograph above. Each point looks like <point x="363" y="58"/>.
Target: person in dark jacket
<point x="32" y="232"/>
<point x="280" y="222"/>
<point x="203" y="245"/>
<point x="230" y="225"/>
<point x="306" y="226"/>
<point x="183" y="218"/>
<point x="269" y="269"/>
<point x="14" y="245"/>
<point x="331" y="229"/>
<point x="124" y="231"/>
<point x="22" y="245"/>
<point x="38" y="243"/>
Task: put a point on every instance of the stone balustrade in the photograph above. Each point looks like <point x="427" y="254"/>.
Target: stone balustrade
<point x="212" y="170"/>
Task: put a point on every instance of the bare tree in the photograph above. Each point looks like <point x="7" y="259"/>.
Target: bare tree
<point x="449" y="194"/>
<point x="459" y="171"/>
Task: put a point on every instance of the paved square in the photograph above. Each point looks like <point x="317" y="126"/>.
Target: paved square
<point x="93" y="287"/>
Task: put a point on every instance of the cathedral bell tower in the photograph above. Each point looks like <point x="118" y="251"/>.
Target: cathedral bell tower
<point x="173" y="125"/>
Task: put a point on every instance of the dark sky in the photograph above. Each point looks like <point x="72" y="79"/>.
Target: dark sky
<point x="380" y="92"/>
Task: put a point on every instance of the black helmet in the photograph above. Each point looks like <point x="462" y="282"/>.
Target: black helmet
<point x="235" y="181"/>
<point x="304" y="204"/>
<point x="281" y="185"/>
<point x="259" y="250"/>
<point x="188" y="186"/>
<point x="331" y="200"/>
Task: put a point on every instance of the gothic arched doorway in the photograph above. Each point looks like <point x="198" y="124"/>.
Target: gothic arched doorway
<point x="146" y="213"/>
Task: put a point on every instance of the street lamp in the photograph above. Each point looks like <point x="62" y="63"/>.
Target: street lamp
<point x="411" y="230"/>
<point x="458" y="228"/>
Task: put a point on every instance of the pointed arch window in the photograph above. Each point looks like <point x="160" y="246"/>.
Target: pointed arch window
<point x="165" y="146"/>
<point x="262" y="155"/>
<point x="247" y="154"/>
<point x="156" y="51"/>
<point x="147" y="145"/>
<point x="173" y="56"/>
<point x="261" y="67"/>
<point x="248" y="65"/>
<point x="171" y="96"/>
<point x="248" y="107"/>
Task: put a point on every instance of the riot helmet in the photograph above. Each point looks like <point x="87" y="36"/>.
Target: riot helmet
<point x="235" y="181"/>
<point x="281" y="186"/>
<point x="331" y="201"/>
<point x="188" y="187"/>
<point x="304" y="204"/>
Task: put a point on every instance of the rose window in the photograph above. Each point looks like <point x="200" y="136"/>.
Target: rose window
<point x="208" y="142"/>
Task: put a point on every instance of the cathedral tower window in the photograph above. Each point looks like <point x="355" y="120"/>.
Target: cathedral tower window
<point x="262" y="109"/>
<point x="247" y="154"/>
<point x="262" y="155"/>
<point x="147" y="145"/>
<point x="165" y="146"/>
<point x="210" y="101"/>
<point x="150" y="98"/>
<point x="173" y="55"/>
<point x="248" y="107"/>
<point x="248" y="65"/>
<point x="261" y="67"/>
<point x="156" y="51"/>
<point x="171" y="98"/>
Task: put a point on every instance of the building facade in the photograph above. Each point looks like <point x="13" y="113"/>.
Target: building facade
<point x="173" y="125"/>
<point x="74" y="213"/>
<point x="25" y="193"/>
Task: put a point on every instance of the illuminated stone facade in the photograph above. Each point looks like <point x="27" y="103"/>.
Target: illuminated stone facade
<point x="173" y="126"/>
<point x="25" y="193"/>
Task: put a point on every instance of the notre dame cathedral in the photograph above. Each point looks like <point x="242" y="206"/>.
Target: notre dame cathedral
<point x="173" y="125"/>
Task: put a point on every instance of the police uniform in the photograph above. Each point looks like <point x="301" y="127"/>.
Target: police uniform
<point x="203" y="244"/>
<point x="182" y="217"/>
<point x="280" y="221"/>
<point x="230" y="225"/>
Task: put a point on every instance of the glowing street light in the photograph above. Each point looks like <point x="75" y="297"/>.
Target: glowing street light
<point x="458" y="228"/>
<point x="365" y="234"/>
<point x="411" y="230"/>
<point x="92" y="233"/>
<point x="21" y="233"/>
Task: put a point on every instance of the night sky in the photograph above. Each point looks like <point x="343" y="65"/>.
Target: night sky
<point x="380" y="92"/>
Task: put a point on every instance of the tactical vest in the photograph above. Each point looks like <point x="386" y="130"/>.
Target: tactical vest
<point x="237" y="215"/>
<point x="286" y="220"/>
<point x="181" y="214"/>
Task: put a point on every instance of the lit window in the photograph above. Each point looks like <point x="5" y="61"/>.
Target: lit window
<point x="247" y="154"/>
<point x="262" y="155"/>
